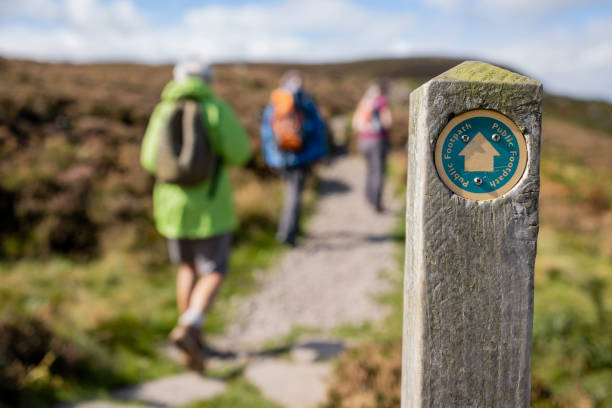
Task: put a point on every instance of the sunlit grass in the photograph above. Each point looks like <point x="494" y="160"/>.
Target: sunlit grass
<point x="239" y="393"/>
<point x="117" y="310"/>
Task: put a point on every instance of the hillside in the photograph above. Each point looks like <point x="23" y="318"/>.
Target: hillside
<point x="416" y="68"/>
<point x="72" y="132"/>
<point x="76" y="208"/>
<point x="70" y="137"/>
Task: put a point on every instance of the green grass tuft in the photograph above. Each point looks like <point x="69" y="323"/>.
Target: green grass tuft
<point x="239" y="393"/>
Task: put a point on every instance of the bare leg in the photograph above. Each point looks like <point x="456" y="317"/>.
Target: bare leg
<point x="193" y="295"/>
<point x="185" y="282"/>
<point x="204" y="291"/>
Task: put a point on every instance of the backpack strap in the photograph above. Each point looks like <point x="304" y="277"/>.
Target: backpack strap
<point x="212" y="189"/>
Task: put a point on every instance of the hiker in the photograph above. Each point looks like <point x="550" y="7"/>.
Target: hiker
<point x="293" y="138"/>
<point x="191" y="139"/>
<point x="372" y="121"/>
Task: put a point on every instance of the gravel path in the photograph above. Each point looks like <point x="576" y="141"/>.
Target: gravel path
<point x="332" y="277"/>
<point x="329" y="280"/>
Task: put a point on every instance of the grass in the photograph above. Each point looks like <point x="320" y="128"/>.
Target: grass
<point x="102" y="311"/>
<point x="239" y="393"/>
<point x="572" y="332"/>
<point x="114" y="312"/>
<point x="281" y="346"/>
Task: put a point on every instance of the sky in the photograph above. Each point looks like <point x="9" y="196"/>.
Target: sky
<point x="566" y="44"/>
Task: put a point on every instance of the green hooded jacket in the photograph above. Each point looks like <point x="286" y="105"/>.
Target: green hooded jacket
<point x="188" y="212"/>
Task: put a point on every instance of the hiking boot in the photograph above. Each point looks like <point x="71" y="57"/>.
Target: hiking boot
<point x="187" y="339"/>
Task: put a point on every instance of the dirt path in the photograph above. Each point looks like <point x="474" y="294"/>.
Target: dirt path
<point x="332" y="278"/>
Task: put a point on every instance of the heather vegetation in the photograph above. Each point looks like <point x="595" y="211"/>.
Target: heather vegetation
<point x="86" y="291"/>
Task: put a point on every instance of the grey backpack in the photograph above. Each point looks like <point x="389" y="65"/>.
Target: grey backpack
<point x="186" y="156"/>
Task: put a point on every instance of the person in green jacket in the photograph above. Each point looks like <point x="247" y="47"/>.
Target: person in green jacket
<point x="197" y="226"/>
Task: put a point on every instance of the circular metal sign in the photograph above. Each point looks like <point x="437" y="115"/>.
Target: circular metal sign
<point x="481" y="155"/>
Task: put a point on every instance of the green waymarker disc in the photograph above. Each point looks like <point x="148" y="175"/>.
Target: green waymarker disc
<point x="481" y="155"/>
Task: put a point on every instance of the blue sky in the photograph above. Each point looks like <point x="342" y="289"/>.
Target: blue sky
<point x="566" y="44"/>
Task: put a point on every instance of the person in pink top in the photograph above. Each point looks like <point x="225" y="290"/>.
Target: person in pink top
<point x="372" y="121"/>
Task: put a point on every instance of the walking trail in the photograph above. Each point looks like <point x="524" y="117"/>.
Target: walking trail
<point x="331" y="279"/>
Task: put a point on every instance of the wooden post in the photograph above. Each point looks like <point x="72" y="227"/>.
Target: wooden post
<point x="471" y="232"/>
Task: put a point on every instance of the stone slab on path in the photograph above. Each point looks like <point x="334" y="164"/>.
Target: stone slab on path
<point x="300" y="382"/>
<point x="174" y="390"/>
<point x="290" y="384"/>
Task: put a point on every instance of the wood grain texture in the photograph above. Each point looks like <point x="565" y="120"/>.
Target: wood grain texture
<point x="468" y="286"/>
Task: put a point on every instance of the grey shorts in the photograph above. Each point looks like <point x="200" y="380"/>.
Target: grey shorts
<point x="208" y="254"/>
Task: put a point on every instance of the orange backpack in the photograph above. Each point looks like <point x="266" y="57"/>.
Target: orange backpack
<point x="287" y="121"/>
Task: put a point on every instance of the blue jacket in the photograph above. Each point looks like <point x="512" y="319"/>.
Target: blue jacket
<point x="315" y="144"/>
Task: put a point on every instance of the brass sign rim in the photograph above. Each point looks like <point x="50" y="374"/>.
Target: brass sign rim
<point x="521" y="164"/>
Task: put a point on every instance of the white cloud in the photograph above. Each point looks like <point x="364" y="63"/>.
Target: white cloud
<point x="575" y="59"/>
<point x="567" y="60"/>
<point x="533" y="5"/>
<point x="44" y="9"/>
<point x="319" y="29"/>
<point x="86" y="15"/>
<point x="289" y="30"/>
<point x="90" y="15"/>
<point x="527" y="8"/>
<point x="446" y="5"/>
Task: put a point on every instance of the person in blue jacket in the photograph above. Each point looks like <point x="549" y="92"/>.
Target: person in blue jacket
<point x="294" y="165"/>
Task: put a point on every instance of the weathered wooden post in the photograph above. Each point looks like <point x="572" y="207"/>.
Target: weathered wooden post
<point x="471" y="231"/>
